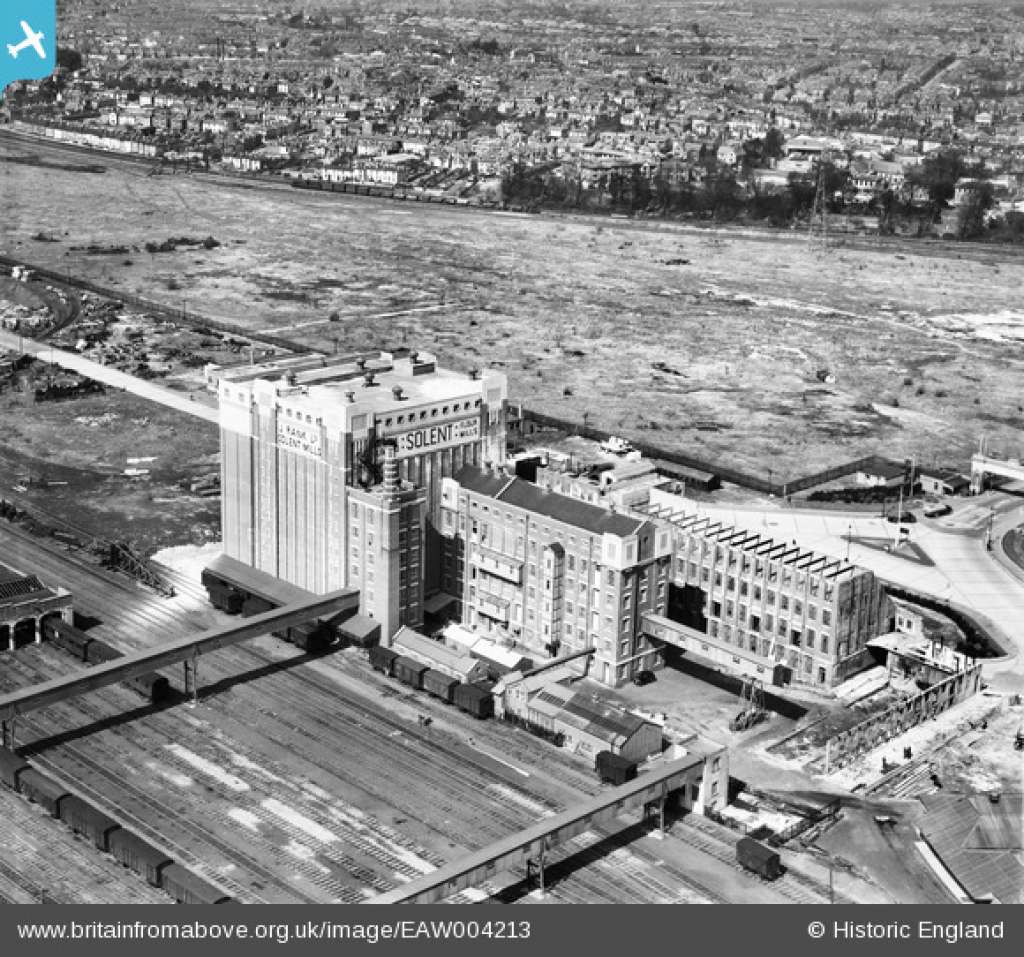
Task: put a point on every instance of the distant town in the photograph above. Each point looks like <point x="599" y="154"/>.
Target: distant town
<point x="870" y="119"/>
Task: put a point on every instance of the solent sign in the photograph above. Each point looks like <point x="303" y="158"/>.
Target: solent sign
<point x="434" y="437"/>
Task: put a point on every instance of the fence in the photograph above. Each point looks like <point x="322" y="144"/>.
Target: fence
<point x="167" y="313"/>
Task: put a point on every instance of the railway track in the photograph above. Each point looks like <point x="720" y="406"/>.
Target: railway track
<point x="351" y="746"/>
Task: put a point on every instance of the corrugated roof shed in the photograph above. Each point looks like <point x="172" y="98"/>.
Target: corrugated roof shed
<point x="980" y="842"/>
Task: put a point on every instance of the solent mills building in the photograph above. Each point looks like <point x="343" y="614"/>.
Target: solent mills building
<point x="332" y="467"/>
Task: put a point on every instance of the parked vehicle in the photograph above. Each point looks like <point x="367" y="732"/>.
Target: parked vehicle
<point x="440" y="685"/>
<point x="84" y="819"/>
<point x="188" y="888"/>
<point x="474" y="700"/>
<point x="234" y="587"/>
<point x="644" y="677"/>
<point x="139" y="855"/>
<point x="614" y="768"/>
<point x="381" y="659"/>
<point x="42" y="790"/>
<point x="11" y="767"/>
<point x="754" y="856"/>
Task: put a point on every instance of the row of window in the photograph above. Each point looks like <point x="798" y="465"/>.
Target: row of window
<point x="432" y="413"/>
<point x="734" y="611"/>
<point x="699" y="553"/>
<point x="750" y="640"/>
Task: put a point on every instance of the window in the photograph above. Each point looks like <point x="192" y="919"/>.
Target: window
<point x="824" y="644"/>
<point x="821" y="676"/>
<point x="826" y="616"/>
<point x="755" y="622"/>
<point x="812" y="612"/>
<point x="716" y="608"/>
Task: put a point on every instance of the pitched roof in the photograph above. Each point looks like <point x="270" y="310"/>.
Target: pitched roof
<point x="525" y="495"/>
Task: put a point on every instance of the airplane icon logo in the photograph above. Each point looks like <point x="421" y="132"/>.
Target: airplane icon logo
<point x="32" y="39"/>
<point x="24" y="26"/>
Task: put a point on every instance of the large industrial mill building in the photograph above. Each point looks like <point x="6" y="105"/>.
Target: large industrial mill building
<point x="304" y="441"/>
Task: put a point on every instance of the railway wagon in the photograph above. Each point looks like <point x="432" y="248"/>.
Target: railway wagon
<point x="100" y="651"/>
<point x="310" y="636"/>
<point x="614" y="768"/>
<point x="84" y="819"/>
<point x="474" y="700"/>
<point x="188" y="888"/>
<point x="11" y="767"/>
<point x="254" y="605"/>
<point x="224" y="598"/>
<point x="42" y="790"/>
<point x="234" y="586"/>
<point x="408" y="671"/>
<point x="754" y="856"/>
<point x="152" y="686"/>
<point x="67" y="636"/>
<point x="440" y="685"/>
<point x="382" y="659"/>
<point x="139" y="855"/>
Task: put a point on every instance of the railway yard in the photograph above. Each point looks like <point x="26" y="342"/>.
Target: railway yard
<point x="301" y="778"/>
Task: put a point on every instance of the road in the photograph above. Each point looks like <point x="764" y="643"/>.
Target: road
<point x="964" y="571"/>
<point x="112" y="377"/>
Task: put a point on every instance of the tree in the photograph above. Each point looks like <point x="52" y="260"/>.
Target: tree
<point x="69" y="59"/>
<point x="938" y="174"/>
<point x="978" y="202"/>
<point x="774" y="143"/>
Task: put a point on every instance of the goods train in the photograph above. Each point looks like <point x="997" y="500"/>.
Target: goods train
<point x="239" y="589"/>
<point x="106" y="834"/>
<point x="471" y="698"/>
<point x="153" y="686"/>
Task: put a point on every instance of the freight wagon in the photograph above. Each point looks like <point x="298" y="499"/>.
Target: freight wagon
<point x="409" y="671"/>
<point x="382" y="659"/>
<point x="755" y="857"/>
<point x="139" y="855"/>
<point x="11" y="767"/>
<point x="152" y="686"/>
<point x="474" y="700"/>
<point x="188" y="888"/>
<point x="224" y="598"/>
<point x="84" y="819"/>
<point x="440" y="685"/>
<point x="614" y="768"/>
<point x="67" y="636"/>
<point x="234" y="587"/>
<point x="44" y="791"/>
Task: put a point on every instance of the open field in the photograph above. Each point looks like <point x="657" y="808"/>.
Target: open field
<point x="926" y="341"/>
<point x="69" y="457"/>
